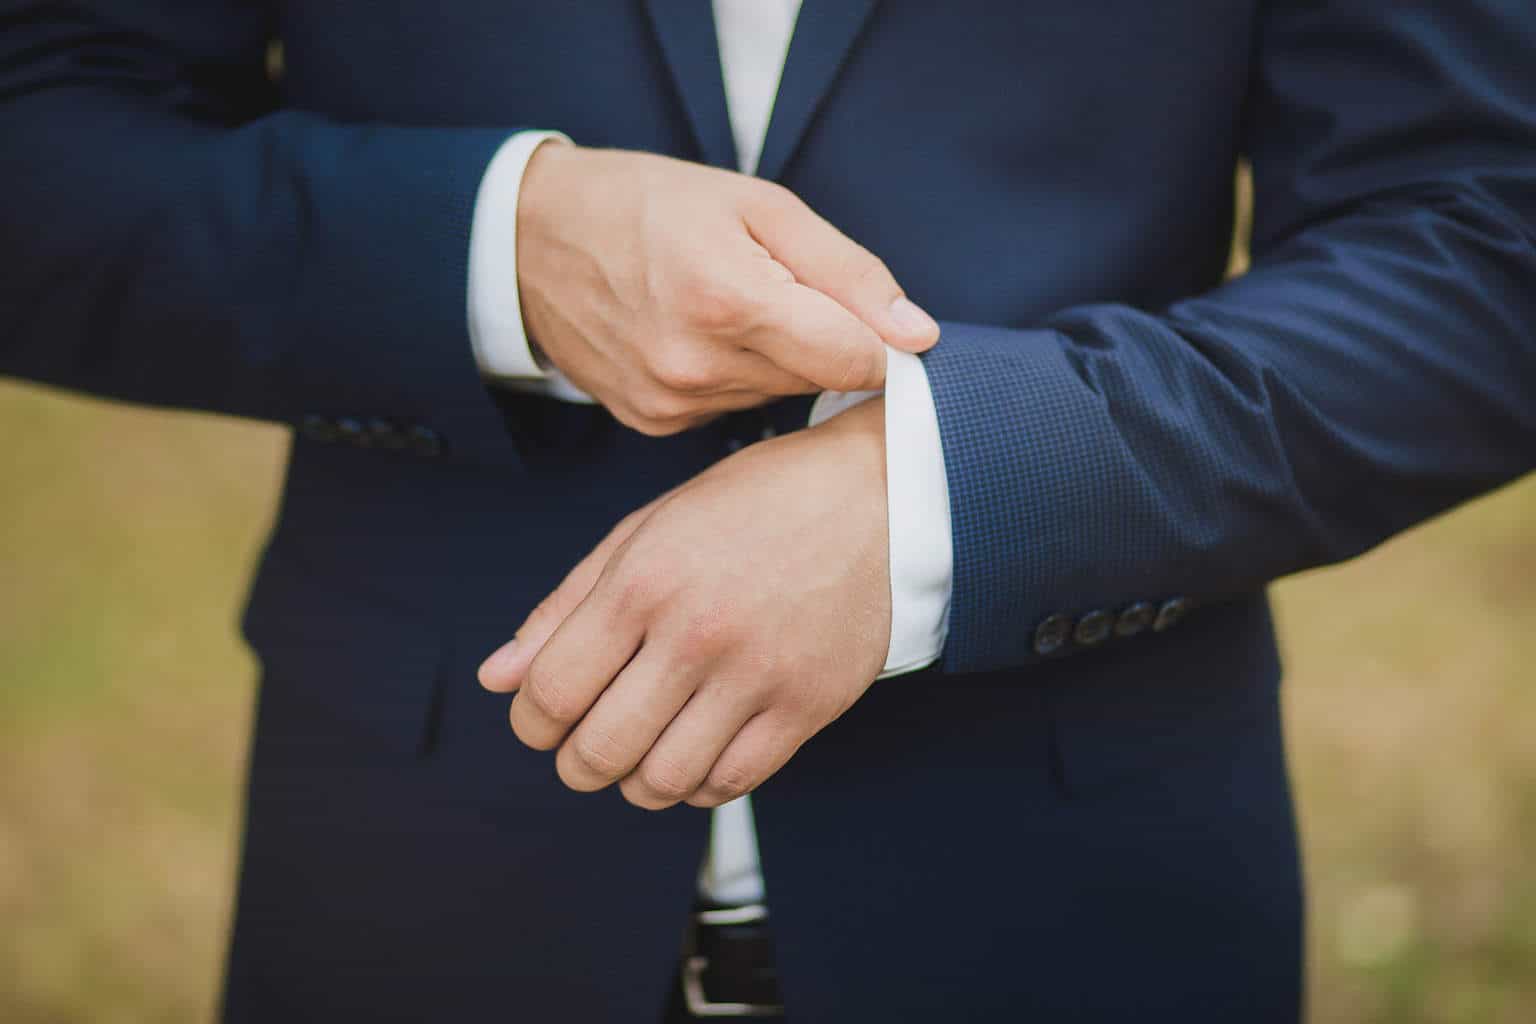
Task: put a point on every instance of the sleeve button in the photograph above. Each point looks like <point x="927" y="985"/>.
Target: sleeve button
<point x="317" y="428"/>
<point x="351" y="431"/>
<point x="424" y="441"/>
<point x="1093" y="629"/>
<point x="1134" y="619"/>
<point x="383" y="434"/>
<point x="1052" y="635"/>
<point x="1170" y="614"/>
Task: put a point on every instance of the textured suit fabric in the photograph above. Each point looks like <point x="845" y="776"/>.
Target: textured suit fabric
<point x="1106" y="836"/>
<point x="1374" y="367"/>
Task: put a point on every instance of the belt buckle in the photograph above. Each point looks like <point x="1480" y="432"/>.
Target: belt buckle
<point x="694" y="966"/>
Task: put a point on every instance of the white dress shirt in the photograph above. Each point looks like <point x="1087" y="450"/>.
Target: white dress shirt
<point x="753" y="38"/>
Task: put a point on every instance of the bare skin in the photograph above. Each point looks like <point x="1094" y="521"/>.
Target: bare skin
<point x="717" y="629"/>
<point x="672" y="292"/>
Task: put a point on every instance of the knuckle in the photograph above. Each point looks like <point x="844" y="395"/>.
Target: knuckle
<point x="854" y="366"/>
<point x="544" y="616"/>
<point x="663" y="409"/>
<point x="665" y="779"/>
<point x="774" y="191"/>
<point x="656" y="428"/>
<point x="870" y="273"/>
<point x="712" y="303"/>
<point x="637" y="796"/>
<point x="798" y="704"/>
<point x="635" y="586"/>
<point x="634" y="519"/>
<point x="520" y="727"/>
<point x="569" y="777"/>
<point x="599" y="752"/>
<point x="794" y="704"/>
<point x="683" y="369"/>
<point x="704" y="630"/>
<point x="775" y="199"/>
<point x="549" y="696"/>
<point x="730" y="780"/>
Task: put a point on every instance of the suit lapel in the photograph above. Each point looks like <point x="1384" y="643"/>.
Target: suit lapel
<point x="686" y="31"/>
<point x="824" y="33"/>
<point x="823" y="36"/>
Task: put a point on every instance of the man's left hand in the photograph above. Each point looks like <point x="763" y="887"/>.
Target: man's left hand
<point x="717" y="629"/>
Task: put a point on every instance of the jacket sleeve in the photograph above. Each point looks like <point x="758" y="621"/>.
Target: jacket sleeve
<point x="171" y="236"/>
<point x="1376" y="366"/>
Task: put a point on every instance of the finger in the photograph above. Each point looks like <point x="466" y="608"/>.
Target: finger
<point x="752" y="373"/>
<point x="576" y="665"/>
<point x="588" y="649"/>
<point x="763" y="746"/>
<point x="701" y="410"/>
<point x="718" y="405"/>
<point x="682" y="756"/>
<point x="822" y="257"/>
<point x="506" y="667"/>
<point x="811" y="336"/>
<point x="735" y="400"/>
<point x="626" y="721"/>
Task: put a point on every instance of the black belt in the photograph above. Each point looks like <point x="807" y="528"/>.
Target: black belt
<point x="727" y="967"/>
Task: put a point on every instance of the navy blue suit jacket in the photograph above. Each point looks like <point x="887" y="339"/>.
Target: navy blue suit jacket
<point x="1103" y="833"/>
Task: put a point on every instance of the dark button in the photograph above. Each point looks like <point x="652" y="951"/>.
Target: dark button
<point x="384" y="434"/>
<point x="351" y="431"/>
<point x="318" y="428"/>
<point x="424" y="441"/>
<point x="1170" y="613"/>
<point x="1093" y="629"/>
<point x="1052" y="635"/>
<point x="1135" y="619"/>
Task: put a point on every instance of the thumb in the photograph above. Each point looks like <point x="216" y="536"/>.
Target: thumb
<point x="504" y="670"/>
<point x="823" y="258"/>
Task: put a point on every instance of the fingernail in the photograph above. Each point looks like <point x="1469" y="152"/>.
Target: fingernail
<point x="913" y="320"/>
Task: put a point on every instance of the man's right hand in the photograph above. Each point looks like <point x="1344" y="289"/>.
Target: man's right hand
<point x="672" y="292"/>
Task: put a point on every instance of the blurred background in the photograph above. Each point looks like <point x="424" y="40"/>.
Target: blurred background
<point x="126" y="538"/>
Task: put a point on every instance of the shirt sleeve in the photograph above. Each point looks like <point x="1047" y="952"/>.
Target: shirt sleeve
<point x="502" y="349"/>
<point x="917" y="493"/>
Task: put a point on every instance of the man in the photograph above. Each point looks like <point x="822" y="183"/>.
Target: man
<point x="1079" y="810"/>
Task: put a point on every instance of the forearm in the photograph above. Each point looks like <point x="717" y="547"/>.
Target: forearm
<point x="193" y="247"/>
<point x="1360" y="381"/>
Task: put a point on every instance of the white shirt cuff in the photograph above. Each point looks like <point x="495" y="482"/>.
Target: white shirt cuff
<point x="917" y="496"/>
<point x="496" y="332"/>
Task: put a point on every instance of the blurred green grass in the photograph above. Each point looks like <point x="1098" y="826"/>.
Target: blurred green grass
<point x="125" y="695"/>
<point x="124" y="701"/>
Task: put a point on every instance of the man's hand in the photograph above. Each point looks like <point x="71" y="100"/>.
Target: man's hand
<point x="673" y="292"/>
<point x="716" y="630"/>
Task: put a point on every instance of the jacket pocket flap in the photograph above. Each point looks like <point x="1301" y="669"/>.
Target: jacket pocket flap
<point x="344" y="650"/>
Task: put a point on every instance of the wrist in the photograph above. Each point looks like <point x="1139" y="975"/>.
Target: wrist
<point x="858" y="435"/>
<point x="541" y="192"/>
<point x="864" y="419"/>
<point x="496" y="326"/>
<point x="546" y="181"/>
